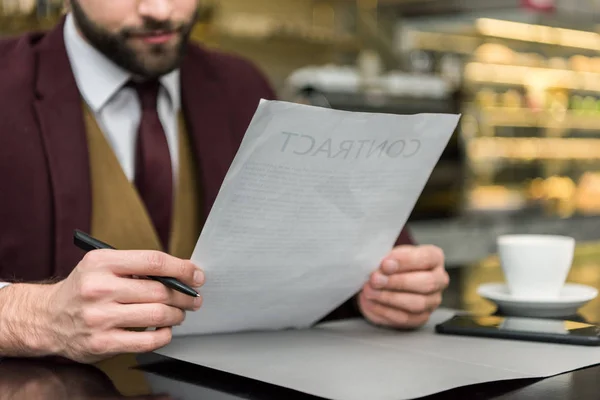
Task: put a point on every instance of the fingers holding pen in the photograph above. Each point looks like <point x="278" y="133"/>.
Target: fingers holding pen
<point x="141" y="291"/>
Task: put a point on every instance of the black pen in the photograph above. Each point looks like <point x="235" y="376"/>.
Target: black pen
<point x="88" y="243"/>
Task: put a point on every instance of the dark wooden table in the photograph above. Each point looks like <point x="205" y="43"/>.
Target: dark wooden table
<point x="125" y="377"/>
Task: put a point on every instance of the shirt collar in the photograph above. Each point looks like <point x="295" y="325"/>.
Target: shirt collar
<point x="98" y="78"/>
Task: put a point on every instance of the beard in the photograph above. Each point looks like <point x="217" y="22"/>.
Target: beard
<point x="148" y="62"/>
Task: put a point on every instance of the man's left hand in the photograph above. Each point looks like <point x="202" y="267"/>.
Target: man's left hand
<point x="406" y="288"/>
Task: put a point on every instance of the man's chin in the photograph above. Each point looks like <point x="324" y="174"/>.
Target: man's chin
<point x="153" y="60"/>
<point x="156" y="62"/>
<point x="156" y="70"/>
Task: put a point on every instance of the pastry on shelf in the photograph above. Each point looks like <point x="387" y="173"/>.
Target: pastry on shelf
<point x="495" y="54"/>
<point x="595" y="64"/>
<point x="558" y="63"/>
<point x="581" y="63"/>
<point x="487" y="98"/>
<point x="512" y="99"/>
<point x="531" y="60"/>
<point x="577" y="104"/>
<point x="587" y="197"/>
<point x="589" y="105"/>
<point x="495" y="198"/>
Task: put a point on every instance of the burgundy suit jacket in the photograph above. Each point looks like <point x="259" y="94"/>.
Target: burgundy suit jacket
<point x="44" y="181"/>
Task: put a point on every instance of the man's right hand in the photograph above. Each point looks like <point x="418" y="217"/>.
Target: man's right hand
<point x="89" y="316"/>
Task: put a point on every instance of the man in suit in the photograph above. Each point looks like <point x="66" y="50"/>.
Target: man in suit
<point x="114" y="124"/>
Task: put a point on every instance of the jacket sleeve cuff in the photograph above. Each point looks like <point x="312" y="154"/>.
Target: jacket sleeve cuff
<point x="348" y="310"/>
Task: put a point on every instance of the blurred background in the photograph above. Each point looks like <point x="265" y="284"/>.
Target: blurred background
<point x="524" y="74"/>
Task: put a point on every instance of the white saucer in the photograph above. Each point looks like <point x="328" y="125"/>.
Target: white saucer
<point x="572" y="298"/>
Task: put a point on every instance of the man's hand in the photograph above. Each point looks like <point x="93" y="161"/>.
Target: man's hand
<point x="91" y="315"/>
<point x="406" y="288"/>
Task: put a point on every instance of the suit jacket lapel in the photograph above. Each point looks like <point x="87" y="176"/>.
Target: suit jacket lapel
<point x="59" y="111"/>
<point x="206" y="112"/>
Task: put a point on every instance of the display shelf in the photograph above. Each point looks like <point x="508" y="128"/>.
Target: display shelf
<point x="545" y="119"/>
<point x="377" y="102"/>
<point x="463" y="34"/>
<point x="265" y="28"/>
<point x="530" y="148"/>
<point x="486" y="73"/>
<point x="576" y="39"/>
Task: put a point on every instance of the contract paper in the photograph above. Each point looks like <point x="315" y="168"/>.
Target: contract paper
<point x="352" y="360"/>
<point x="312" y="202"/>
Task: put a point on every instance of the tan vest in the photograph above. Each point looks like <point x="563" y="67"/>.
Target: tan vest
<point x="119" y="216"/>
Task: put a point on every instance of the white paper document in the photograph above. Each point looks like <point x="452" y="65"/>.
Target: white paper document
<point x="311" y="203"/>
<point x="352" y="360"/>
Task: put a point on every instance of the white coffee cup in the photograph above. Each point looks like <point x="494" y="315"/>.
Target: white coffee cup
<point x="535" y="266"/>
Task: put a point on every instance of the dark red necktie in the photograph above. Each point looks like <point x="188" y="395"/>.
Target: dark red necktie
<point x="153" y="171"/>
